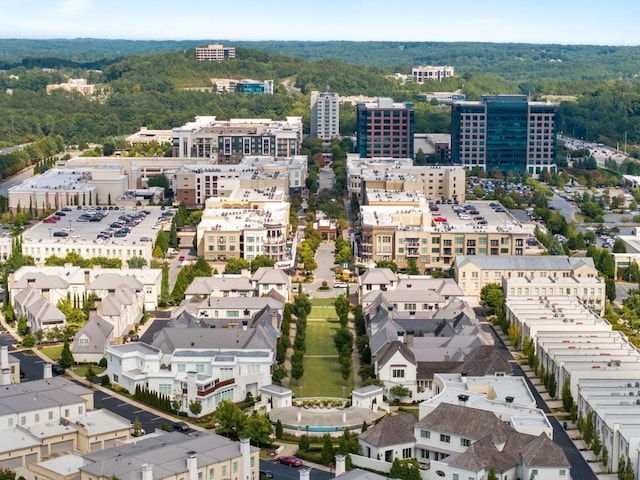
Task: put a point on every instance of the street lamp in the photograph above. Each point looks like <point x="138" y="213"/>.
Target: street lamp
<point x="344" y="387"/>
<point x="301" y="388"/>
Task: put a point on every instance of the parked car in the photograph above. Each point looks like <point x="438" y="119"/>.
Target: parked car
<point x="57" y="369"/>
<point x="266" y="474"/>
<point x="340" y="285"/>
<point x="181" y="426"/>
<point x="60" y="234"/>
<point x="290" y="460"/>
<point x="181" y="258"/>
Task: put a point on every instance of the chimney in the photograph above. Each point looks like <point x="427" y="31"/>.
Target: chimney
<point x="400" y="334"/>
<point x="447" y="357"/>
<point x="274" y="320"/>
<point x="245" y="452"/>
<point x="192" y="465"/>
<point x="46" y="295"/>
<point x="6" y="377"/>
<point x="508" y="399"/>
<point x="31" y="282"/>
<point x="98" y="306"/>
<point x="245" y="325"/>
<point x="462" y="399"/>
<point x="305" y="473"/>
<point x="47" y="370"/>
<point x="340" y="465"/>
<point x="147" y="472"/>
<point x="87" y="279"/>
<point x="4" y="356"/>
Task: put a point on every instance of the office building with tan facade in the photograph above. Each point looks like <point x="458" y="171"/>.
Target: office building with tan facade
<point x="229" y="141"/>
<point x="399" y="226"/>
<point x="435" y="182"/>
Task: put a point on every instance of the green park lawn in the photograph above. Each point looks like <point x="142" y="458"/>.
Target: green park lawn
<point x="53" y="352"/>
<point x="321" y="378"/>
<point x="322" y="302"/>
<point x="319" y="338"/>
<point x="324" y="313"/>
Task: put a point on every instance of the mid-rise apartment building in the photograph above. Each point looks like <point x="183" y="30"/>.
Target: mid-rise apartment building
<point x="474" y="272"/>
<point x="228" y="141"/>
<point x="398" y="228"/>
<point x="194" y="183"/>
<point x="247" y="224"/>
<point x="434" y="182"/>
<point x="423" y="73"/>
<point x="325" y="115"/>
<point x="504" y="132"/>
<point x="215" y="53"/>
<point x="385" y="129"/>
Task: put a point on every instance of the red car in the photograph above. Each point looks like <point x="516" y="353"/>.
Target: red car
<point x="290" y="460"/>
<point x="49" y="220"/>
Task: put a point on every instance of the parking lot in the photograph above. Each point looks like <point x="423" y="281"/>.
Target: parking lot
<point x="82" y="224"/>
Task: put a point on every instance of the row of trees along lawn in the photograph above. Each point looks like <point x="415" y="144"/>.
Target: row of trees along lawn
<point x="301" y="309"/>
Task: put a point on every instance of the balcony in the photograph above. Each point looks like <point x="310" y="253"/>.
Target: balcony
<point x="212" y="388"/>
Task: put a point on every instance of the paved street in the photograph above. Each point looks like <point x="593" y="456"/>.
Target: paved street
<point x="325" y="272"/>
<point x="283" y="472"/>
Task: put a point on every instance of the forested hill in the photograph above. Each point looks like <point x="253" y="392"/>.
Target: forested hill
<point x="512" y="61"/>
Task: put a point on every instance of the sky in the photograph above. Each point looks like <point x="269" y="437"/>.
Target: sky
<point x="591" y="22"/>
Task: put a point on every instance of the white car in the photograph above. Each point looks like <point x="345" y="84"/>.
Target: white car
<point x="340" y="285"/>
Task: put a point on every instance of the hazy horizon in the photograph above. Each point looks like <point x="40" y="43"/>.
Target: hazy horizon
<point x="572" y="22"/>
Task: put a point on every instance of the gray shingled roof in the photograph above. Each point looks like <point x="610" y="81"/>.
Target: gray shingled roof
<point x="378" y="276"/>
<point x="524" y="262"/>
<point x="270" y="275"/>
<point x="391" y="430"/>
<point x="98" y="331"/>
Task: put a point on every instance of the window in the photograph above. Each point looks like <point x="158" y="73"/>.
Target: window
<point x="10" y="422"/>
<point x="235" y="467"/>
<point x="410" y="306"/>
<point x="563" y="473"/>
<point x="425" y="434"/>
<point x="465" y="442"/>
<point x="456" y="476"/>
<point x="23" y="420"/>
<point x="211" y="474"/>
<point x="233" y="314"/>
<point x="224" y="471"/>
<point x="445" y="438"/>
<point x="36" y="417"/>
<point x="534" y="472"/>
<point x="165" y="389"/>
<point x="406" y="453"/>
<point x="182" y="368"/>
<point x="50" y="414"/>
<point x="397" y="373"/>
<point x="80" y="408"/>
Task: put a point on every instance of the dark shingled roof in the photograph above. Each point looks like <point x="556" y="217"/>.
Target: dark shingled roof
<point x="542" y="452"/>
<point x="391" y="430"/>
<point x="482" y="455"/>
<point x="471" y="423"/>
<point x="387" y="351"/>
<point x="484" y="360"/>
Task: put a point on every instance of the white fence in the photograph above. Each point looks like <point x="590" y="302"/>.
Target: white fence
<point x="380" y="466"/>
